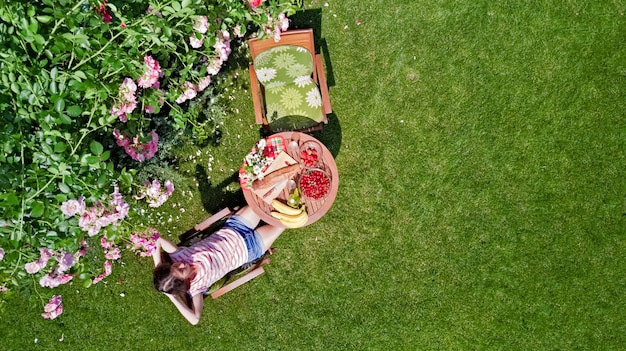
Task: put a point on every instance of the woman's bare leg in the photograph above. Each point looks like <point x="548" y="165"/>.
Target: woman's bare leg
<point x="250" y="218"/>
<point x="269" y="234"/>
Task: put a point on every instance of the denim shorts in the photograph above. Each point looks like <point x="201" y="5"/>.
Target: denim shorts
<point x="251" y="237"/>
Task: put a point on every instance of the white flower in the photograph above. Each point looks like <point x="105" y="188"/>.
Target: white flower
<point x="302" y="81"/>
<point x="266" y="74"/>
<point x="261" y="144"/>
<point x="313" y="98"/>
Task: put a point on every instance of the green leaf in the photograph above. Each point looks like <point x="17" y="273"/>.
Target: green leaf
<point x="65" y="119"/>
<point x="33" y="27"/>
<point x="80" y="75"/>
<point x="92" y="160"/>
<point x="176" y="6"/>
<point x="74" y="111"/>
<point x="64" y="188"/>
<point x="37" y="209"/>
<point x="11" y="199"/>
<point x="44" y="19"/>
<point x="53" y="73"/>
<point x="60" y="147"/>
<point x="102" y="180"/>
<point x="59" y="105"/>
<point x="126" y="178"/>
<point x="105" y="155"/>
<point x="39" y="39"/>
<point x="96" y="147"/>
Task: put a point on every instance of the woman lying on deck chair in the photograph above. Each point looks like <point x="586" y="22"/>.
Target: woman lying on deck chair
<point x="190" y="271"/>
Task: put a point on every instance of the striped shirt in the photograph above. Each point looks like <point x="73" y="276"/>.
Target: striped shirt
<point x="213" y="257"/>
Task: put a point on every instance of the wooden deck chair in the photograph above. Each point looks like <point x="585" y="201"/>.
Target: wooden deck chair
<point x="235" y="278"/>
<point x="288" y="83"/>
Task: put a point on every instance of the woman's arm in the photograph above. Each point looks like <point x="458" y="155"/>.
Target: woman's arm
<point x="191" y="314"/>
<point x="165" y="245"/>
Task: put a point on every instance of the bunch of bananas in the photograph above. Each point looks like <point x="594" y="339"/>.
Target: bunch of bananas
<point x="290" y="217"/>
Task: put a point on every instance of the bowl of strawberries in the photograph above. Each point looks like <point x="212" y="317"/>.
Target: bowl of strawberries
<point x="314" y="183"/>
<point x="310" y="153"/>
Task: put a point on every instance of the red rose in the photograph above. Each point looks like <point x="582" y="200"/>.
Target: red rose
<point x="255" y="3"/>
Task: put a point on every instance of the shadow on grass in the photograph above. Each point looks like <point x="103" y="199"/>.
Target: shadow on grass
<point x="313" y="19"/>
<point x="331" y="135"/>
<point x="217" y="196"/>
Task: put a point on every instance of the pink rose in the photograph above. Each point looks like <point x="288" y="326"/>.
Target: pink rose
<point x="195" y="42"/>
<point x="73" y="207"/>
<point x="54" y="307"/>
<point x="283" y="22"/>
<point x="52" y="281"/>
<point x="113" y="254"/>
<point x="201" y="25"/>
<point x="65" y="262"/>
<point x="255" y="3"/>
<point x="204" y="82"/>
<point x="33" y="267"/>
<point x="237" y="31"/>
<point x="189" y="92"/>
<point x="152" y="71"/>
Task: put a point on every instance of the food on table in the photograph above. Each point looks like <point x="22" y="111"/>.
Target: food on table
<point x="296" y="217"/>
<point x="315" y="184"/>
<point x="309" y="156"/>
<point x="276" y="176"/>
<point x="294" y="198"/>
<point x="284" y="208"/>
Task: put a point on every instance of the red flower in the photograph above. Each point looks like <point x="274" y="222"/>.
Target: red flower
<point x="102" y="10"/>
<point x="255" y="3"/>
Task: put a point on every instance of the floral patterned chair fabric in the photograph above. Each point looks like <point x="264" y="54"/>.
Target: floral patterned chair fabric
<point x="292" y="99"/>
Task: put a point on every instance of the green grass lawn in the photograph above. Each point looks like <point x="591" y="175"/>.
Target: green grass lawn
<point x="482" y="202"/>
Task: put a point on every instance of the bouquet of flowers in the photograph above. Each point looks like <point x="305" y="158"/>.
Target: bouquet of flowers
<point x="260" y="157"/>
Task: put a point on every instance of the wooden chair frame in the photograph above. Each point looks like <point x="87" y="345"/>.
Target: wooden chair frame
<point x="237" y="277"/>
<point x="300" y="37"/>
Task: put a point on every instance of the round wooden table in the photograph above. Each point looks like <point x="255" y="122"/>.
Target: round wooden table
<point x="315" y="208"/>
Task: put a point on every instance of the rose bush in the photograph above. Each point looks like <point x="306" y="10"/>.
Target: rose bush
<point x="84" y="84"/>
